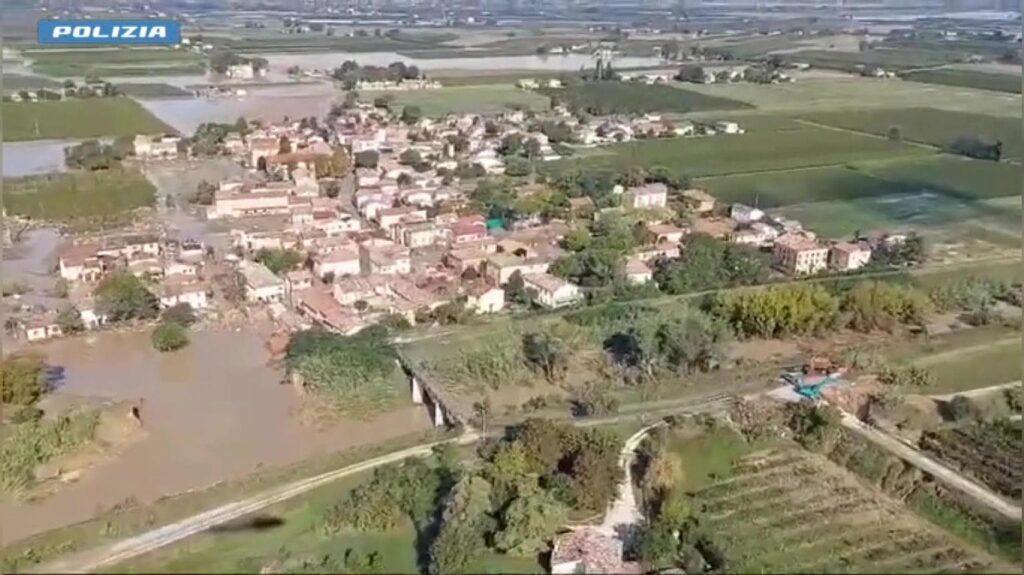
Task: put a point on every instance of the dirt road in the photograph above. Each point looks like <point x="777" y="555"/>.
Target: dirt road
<point x="944" y="474"/>
<point x="107" y="555"/>
<point x="624" y="513"/>
<point x="981" y="391"/>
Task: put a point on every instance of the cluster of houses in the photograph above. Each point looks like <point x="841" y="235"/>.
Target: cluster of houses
<point x="173" y="269"/>
<point x="795" y="251"/>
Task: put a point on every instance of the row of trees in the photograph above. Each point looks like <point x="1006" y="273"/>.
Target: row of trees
<point x="349" y="367"/>
<point x="94" y="155"/>
<point x="349" y="73"/>
<point x="802" y="309"/>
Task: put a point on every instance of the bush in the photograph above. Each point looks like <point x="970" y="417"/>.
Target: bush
<point x="910" y="376"/>
<point x="169" y="336"/>
<point x="594" y="399"/>
<point x="181" y="314"/>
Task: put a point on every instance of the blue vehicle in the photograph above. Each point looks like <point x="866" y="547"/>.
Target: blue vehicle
<point x="810" y="389"/>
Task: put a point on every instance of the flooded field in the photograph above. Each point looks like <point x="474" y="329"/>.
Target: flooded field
<point x="270" y="104"/>
<point x="211" y="412"/>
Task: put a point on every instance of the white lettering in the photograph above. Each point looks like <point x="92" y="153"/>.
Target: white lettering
<point x="128" y="32"/>
<point x="60" y="31"/>
<point x="158" y="32"/>
<point x="81" y="32"/>
<point x="97" y="32"/>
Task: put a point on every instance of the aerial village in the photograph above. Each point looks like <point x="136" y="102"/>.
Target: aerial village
<point x="396" y="235"/>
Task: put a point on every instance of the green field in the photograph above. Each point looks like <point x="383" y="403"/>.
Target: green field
<point x="967" y="78"/>
<point x="784" y="510"/>
<point x="737" y="154"/>
<point x="271" y="42"/>
<point x="78" y="197"/>
<point x="888" y="58"/>
<point x="84" y="118"/>
<point x="16" y="82"/>
<point x="464" y="99"/>
<point x="918" y="193"/>
<point x="106" y="62"/>
<point x="152" y="90"/>
<point x="838" y="184"/>
<point x="602" y="98"/>
<point x="965" y="359"/>
<point x="814" y="94"/>
<point x="931" y="126"/>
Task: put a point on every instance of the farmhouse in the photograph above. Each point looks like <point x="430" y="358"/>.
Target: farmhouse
<point x="847" y="256"/>
<point x="261" y="285"/>
<point x="337" y="263"/>
<point x="173" y="293"/>
<point x="150" y="147"/>
<point x="653" y="195"/>
<point x="698" y="201"/>
<point x="550" y="291"/>
<point x="500" y="267"/>
<point x="798" y="254"/>
<point x="485" y="298"/>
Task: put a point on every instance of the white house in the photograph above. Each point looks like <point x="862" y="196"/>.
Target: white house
<point x="550" y="291"/>
<point x="172" y="294"/>
<point x="847" y="256"/>
<point x="261" y="285"/>
<point x="485" y="298"/>
<point x="338" y="263"/>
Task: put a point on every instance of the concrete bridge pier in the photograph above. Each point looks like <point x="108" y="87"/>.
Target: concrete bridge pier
<point x="417" y="390"/>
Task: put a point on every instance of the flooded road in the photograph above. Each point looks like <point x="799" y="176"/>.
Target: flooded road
<point x="211" y="412"/>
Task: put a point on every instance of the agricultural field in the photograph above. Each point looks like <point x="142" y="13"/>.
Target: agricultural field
<point x="79" y="197"/>
<point x="887" y="58"/>
<point x="807" y="187"/>
<point x="935" y="127"/>
<point x="968" y="78"/>
<point x="153" y="90"/>
<point x="486" y="99"/>
<point x="818" y="94"/>
<point x="79" y="118"/>
<point x="602" y="98"/>
<point x="786" y="510"/>
<point x="988" y="450"/>
<point x="17" y="82"/>
<point x="775" y="151"/>
<point x="964" y="359"/>
<point x="115" y="62"/>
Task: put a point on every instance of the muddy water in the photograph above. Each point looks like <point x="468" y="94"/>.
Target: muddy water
<point x="211" y="412"/>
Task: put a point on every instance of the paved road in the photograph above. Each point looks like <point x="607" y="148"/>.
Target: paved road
<point x="105" y="556"/>
<point x="944" y="474"/>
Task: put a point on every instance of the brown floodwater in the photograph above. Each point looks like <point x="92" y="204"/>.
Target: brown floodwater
<point x="211" y="412"/>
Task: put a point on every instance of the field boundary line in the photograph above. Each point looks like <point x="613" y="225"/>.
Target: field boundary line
<point x="916" y="143"/>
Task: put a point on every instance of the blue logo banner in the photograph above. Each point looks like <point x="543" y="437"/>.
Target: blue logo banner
<point x="110" y="32"/>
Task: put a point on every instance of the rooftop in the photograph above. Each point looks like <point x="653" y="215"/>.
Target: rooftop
<point x="257" y="275"/>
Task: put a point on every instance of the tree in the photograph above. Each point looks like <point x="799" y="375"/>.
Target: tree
<point x="691" y="73"/>
<point x="383" y="101"/>
<point x="959" y="408"/>
<point x="895" y="133"/>
<point x="332" y="189"/>
<point x="546" y="354"/>
<point x="206" y="192"/>
<point x="22" y="379"/>
<point x="779" y="311"/>
<point x="532" y="148"/>
<point x="70" y="321"/>
<point x="874" y="305"/>
<point x="280" y="261"/>
<point x="515" y="289"/>
<point x="529" y="522"/>
<point x="693" y="341"/>
<point x="361" y="306"/>
<point x="464" y="525"/>
<point x="517" y="167"/>
<point x="367" y="159"/>
<point x="181" y="314"/>
<point x="122" y="296"/>
<point x="411" y="114"/>
<point x="284" y="145"/>
<point x="410" y="157"/>
<point x="169" y="336"/>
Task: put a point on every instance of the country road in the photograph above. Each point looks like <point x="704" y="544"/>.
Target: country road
<point x="105" y="556"/>
<point x="108" y="555"/>
<point x="944" y="474"/>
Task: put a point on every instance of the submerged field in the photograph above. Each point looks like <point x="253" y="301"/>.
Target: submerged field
<point x="85" y="118"/>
